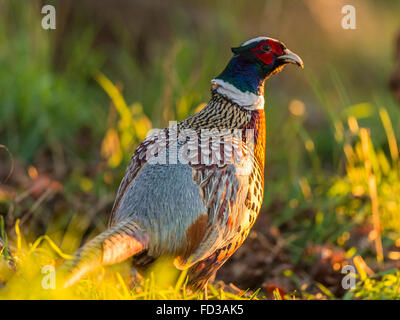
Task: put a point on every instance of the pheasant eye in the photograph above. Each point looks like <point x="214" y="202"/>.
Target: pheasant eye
<point x="266" y="48"/>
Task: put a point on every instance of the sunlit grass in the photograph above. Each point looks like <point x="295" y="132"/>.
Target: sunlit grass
<point x="132" y="126"/>
<point x="29" y="277"/>
<point x="371" y="173"/>
<point x="28" y="274"/>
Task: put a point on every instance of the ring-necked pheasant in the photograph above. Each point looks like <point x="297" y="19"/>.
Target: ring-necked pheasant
<point x="193" y="190"/>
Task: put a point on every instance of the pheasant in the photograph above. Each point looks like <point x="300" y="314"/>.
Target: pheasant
<point x="193" y="190"/>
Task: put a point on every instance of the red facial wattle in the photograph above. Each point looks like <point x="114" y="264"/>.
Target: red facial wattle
<point x="267" y="56"/>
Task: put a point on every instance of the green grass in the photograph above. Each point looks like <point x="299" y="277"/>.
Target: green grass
<point x="37" y="107"/>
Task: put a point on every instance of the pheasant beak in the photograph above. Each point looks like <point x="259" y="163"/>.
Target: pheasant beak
<point x="290" y="57"/>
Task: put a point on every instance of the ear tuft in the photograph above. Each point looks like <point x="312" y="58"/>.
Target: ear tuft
<point x="235" y="50"/>
<point x="238" y="50"/>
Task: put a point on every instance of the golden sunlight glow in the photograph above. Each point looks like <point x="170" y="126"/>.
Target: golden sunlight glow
<point x="297" y="108"/>
<point x="32" y="172"/>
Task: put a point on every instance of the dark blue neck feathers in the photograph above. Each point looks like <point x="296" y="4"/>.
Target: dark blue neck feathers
<point x="244" y="75"/>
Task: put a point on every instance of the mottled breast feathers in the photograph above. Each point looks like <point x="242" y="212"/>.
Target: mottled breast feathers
<point x="208" y="207"/>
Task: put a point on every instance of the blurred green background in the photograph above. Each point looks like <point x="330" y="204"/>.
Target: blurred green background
<point x="71" y="135"/>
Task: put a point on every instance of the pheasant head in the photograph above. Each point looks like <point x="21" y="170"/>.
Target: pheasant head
<point x="252" y="63"/>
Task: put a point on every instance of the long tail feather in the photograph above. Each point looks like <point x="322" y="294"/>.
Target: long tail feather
<point x="114" y="245"/>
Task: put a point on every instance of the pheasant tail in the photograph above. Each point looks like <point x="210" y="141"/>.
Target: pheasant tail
<point x="122" y="241"/>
